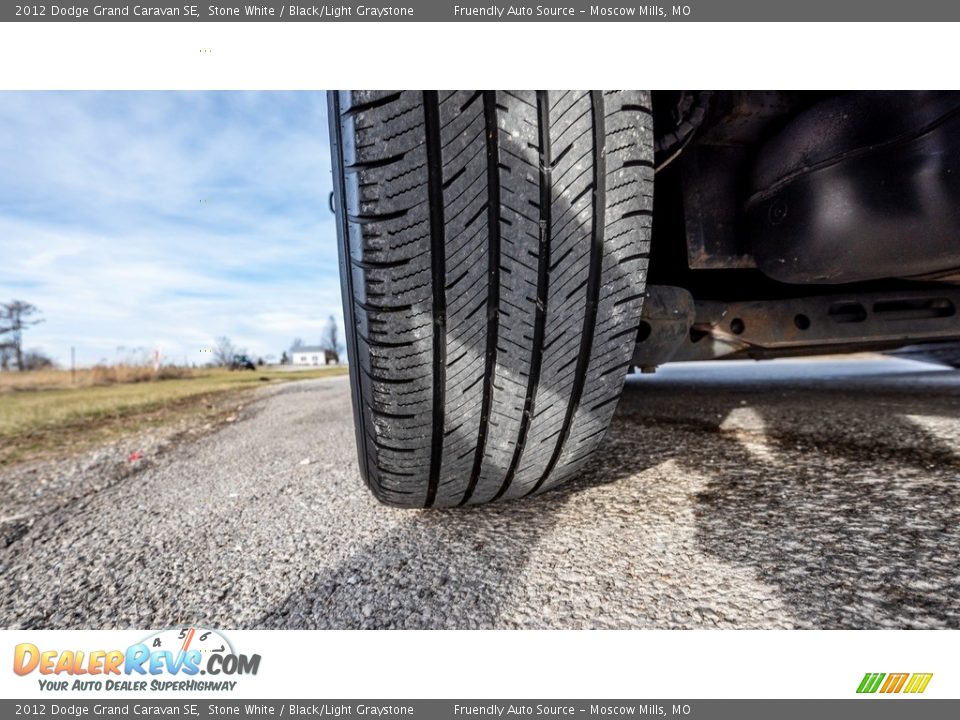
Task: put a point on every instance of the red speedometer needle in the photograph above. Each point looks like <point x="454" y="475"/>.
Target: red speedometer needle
<point x="186" y="640"/>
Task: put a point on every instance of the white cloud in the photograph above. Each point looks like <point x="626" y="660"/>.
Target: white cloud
<point x="167" y="219"/>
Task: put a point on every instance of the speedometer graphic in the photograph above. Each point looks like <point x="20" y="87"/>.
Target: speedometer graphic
<point x="182" y="639"/>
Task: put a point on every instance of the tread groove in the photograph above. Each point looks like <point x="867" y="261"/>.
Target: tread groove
<point x="493" y="288"/>
<point x="372" y="104"/>
<point x="373" y="164"/>
<point x="543" y="281"/>
<point x="593" y="282"/>
<point x="431" y="112"/>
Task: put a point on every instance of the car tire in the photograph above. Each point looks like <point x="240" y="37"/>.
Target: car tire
<point x="493" y="257"/>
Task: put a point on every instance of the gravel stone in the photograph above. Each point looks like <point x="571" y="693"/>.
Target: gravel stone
<point x="816" y="494"/>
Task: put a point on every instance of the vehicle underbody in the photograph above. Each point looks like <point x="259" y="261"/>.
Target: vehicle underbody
<point x="796" y="223"/>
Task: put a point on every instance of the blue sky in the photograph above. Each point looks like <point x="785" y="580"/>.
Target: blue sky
<point x="164" y="220"/>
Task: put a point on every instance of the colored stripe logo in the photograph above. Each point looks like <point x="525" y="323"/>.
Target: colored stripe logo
<point x="913" y="683"/>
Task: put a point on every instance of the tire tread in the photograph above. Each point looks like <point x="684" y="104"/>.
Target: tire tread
<point x="494" y="249"/>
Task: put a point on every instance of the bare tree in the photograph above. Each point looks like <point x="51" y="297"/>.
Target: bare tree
<point x="330" y="342"/>
<point x="36" y="360"/>
<point x="15" y="316"/>
<point x="224" y="350"/>
<point x="331" y="336"/>
<point x="296" y="344"/>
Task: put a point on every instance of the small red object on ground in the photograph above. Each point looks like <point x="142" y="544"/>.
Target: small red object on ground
<point x="134" y="456"/>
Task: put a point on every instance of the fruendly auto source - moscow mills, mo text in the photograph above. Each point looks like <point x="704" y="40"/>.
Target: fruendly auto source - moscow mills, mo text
<point x="194" y="12"/>
<point x="292" y="11"/>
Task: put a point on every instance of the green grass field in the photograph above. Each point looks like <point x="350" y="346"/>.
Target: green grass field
<point x="47" y="419"/>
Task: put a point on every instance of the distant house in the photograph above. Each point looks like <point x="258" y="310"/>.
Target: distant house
<point x="313" y="355"/>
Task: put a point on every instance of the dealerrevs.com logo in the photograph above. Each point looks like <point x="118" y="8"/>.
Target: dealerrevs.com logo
<point x="892" y="683"/>
<point x="168" y="660"/>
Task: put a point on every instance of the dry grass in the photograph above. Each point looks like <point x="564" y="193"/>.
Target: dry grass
<point x="41" y="412"/>
<point x="87" y="377"/>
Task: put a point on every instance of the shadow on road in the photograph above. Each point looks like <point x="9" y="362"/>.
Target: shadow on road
<point x="839" y="492"/>
<point x="832" y="489"/>
<point x="451" y="569"/>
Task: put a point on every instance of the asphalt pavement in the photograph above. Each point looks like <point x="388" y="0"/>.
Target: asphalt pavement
<point x="786" y="494"/>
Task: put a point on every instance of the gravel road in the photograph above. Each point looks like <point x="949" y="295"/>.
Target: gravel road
<point x="817" y="494"/>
